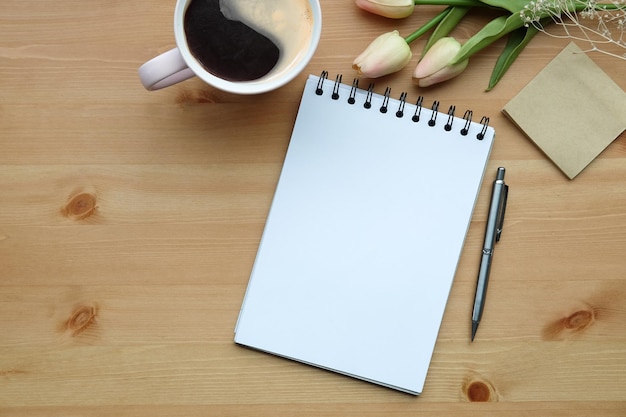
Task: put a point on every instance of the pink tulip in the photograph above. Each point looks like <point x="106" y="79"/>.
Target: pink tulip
<point x="388" y="53"/>
<point x="395" y="9"/>
<point x="436" y="66"/>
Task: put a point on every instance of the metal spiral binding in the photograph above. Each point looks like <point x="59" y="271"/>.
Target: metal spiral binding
<point x="485" y="122"/>
<point x="335" y="95"/>
<point x="448" y="126"/>
<point x="400" y="111"/>
<point x="355" y="86"/>
<point x="418" y="109"/>
<point x="468" y="120"/>
<point x="320" y="83"/>
<point x="467" y="116"/>
<point x="383" y="108"/>
<point x="433" y="117"/>
<point x="368" y="99"/>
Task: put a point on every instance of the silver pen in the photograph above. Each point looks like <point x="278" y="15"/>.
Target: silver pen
<point x="495" y="223"/>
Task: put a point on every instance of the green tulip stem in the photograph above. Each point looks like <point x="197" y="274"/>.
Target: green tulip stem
<point x="428" y="26"/>
<point x="464" y="3"/>
<point x="446" y="25"/>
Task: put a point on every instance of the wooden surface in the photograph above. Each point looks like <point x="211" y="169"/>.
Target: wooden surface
<point x="129" y="222"/>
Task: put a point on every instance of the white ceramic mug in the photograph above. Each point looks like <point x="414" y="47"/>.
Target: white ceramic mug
<point x="179" y="64"/>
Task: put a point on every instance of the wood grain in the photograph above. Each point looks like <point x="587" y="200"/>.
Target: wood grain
<point x="129" y="222"/>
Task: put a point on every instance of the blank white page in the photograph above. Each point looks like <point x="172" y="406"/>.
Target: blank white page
<point x="363" y="237"/>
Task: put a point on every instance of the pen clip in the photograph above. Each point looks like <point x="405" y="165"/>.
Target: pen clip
<point x="501" y="211"/>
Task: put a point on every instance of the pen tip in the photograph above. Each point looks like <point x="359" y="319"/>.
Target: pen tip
<point x="474" y="329"/>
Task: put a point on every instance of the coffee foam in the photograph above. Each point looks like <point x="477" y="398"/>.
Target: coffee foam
<point x="288" y="23"/>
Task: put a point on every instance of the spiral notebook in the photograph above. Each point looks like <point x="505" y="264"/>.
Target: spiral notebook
<point x="364" y="233"/>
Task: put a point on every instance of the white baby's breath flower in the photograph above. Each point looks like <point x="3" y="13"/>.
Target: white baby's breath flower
<point x="576" y="17"/>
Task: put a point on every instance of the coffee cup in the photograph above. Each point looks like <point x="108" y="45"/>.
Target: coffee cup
<point x="238" y="46"/>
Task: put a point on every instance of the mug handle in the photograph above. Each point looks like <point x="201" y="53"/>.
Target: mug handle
<point x="164" y="70"/>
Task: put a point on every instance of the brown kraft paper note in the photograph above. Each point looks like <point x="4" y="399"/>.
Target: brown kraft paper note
<point x="571" y="110"/>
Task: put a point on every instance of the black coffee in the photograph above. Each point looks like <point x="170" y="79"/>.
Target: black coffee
<point x="226" y="48"/>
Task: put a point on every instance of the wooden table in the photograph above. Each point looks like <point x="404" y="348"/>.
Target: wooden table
<point x="129" y="222"/>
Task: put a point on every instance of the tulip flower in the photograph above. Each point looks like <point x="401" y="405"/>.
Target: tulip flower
<point x="395" y="9"/>
<point x="436" y="66"/>
<point x="388" y="53"/>
<point x="521" y="20"/>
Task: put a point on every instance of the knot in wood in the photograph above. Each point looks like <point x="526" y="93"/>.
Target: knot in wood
<point x="579" y="320"/>
<point x="80" y="206"/>
<point x="480" y="391"/>
<point x="81" y="319"/>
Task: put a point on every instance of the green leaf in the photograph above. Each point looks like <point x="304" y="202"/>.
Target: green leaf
<point x="517" y="41"/>
<point x="513" y="6"/>
<point x="446" y="25"/>
<point x="491" y="32"/>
